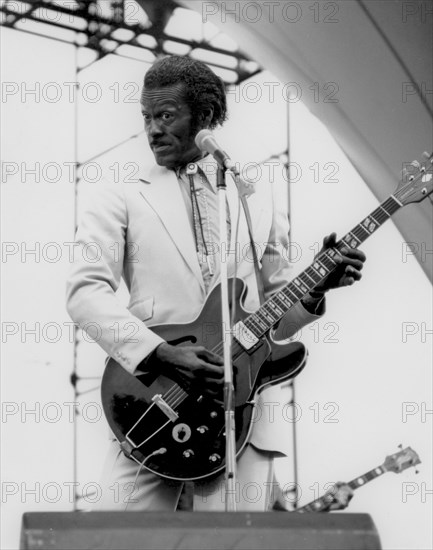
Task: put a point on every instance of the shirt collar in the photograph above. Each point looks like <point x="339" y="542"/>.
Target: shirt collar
<point x="207" y="168"/>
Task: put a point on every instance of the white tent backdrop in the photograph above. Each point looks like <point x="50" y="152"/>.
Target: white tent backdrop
<point x="358" y="65"/>
<point x="370" y="356"/>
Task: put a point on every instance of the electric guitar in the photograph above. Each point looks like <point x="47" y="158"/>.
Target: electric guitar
<point x="178" y="433"/>
<point x="397" y="463"/>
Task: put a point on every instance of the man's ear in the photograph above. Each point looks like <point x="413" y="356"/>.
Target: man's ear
<point x="206" y="117"/>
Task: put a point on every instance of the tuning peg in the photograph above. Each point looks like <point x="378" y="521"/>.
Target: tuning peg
<point x="417" y="167"/>
<point x="410" y="170"/>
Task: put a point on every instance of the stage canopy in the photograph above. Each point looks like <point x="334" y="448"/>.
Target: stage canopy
<point x="364" y="68"/>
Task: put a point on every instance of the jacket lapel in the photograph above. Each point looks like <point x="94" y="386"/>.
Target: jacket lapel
<point x="164" y="196"/>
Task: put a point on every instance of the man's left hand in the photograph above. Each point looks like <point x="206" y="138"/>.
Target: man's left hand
<point x="339" y="497"/>
<point x="349" y="269"/>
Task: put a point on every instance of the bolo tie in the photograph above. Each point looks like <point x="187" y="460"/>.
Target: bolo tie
<point x="191" y="170"/>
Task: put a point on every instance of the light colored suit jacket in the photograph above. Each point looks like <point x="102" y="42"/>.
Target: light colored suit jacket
<point x="141" y="231"/>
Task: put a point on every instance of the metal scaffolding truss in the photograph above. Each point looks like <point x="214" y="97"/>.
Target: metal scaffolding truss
<point x="138" y="29"/>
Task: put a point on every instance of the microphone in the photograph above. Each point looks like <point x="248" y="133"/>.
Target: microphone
<point x="206" y="142"/>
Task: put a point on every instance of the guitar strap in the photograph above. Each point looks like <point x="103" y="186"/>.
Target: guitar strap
<point x="186" y="499"/>
<point x="242" y="195"/>
<point x="260" y="287"/>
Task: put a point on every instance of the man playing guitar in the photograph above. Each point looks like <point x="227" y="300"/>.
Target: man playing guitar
<point x="166" y="226"/>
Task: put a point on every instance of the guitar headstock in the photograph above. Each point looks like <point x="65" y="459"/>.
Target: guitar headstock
<point x="418" y="183"/>
<point x="398" y="462"/>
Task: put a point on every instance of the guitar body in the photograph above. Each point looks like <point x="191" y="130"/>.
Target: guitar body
<point x="178" y="433"/>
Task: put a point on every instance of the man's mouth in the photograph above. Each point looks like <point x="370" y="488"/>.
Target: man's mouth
<point x="157" y="147"/>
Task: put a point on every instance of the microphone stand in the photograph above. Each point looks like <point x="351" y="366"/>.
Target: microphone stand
<point x="229" y="397"/>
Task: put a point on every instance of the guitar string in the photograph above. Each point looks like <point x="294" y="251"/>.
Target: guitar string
<point x="175" y="395"/>
<point x="141" y="418"/>
<point x="381" y="214"/>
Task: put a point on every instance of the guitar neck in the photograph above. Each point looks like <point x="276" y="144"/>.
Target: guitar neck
<point x="323" y="502"/>
<point x="275" y="307"/>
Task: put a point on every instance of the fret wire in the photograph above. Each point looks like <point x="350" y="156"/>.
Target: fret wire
<point x="253" y="319"/>
<point x="278" y="297"/>
<point x="322" y="266"/>
<point x="328" y="263"/>
<point x="251" y="325"/>
<point x="382" y="212"/>
<point x="330" y="258"/>
<point x="311" y="278"/>
<point x="285" y="299"/>
<point x="394" y="205"/>
<point x="263" y="319"/>
<point x="262" y="323"/>
<point x="371" y="474"/>
<point x="272" y="313"/>
<point x="311" y="272"/>
<point x="305" y="278"/>
<point x="268" y="311"/>
<point x="285" y="291"/>
<point x="352" y="233"/>
<point x="327" y="266"/>
<point x="276" y="307"/>
<point x="259" y="322"/>
<point x="303" y="282"/>
<point x="273" y="309"/>
<point x="321" y="260"/>
<point x="365" y="231"/>
<point x="317" y="273"/>
<point x="293" y="297"/>
<point x="390" y="206"/>
<point x="293" y="289"/>
<point x="375" y="220"/>
<point x="360" y="237"/>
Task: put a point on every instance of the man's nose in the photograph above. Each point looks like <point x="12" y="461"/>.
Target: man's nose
<point x="153" y="128"/>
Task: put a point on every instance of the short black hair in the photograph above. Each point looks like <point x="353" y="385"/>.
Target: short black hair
<point x="203" y="88"/>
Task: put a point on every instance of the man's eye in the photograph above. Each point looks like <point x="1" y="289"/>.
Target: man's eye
<point x="146" y="117"/>
<point x="166" y="116"/>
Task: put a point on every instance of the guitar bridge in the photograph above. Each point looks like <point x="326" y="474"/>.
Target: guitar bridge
<point x="165" y="407"/>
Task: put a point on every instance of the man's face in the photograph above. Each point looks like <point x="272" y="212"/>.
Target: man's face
<point x="168" y="125"/>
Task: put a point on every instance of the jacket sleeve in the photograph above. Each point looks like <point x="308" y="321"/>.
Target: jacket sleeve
<point x="276" y="269"/>
<point x="95" y="275"/>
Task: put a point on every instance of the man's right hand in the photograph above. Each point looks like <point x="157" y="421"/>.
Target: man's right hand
<point x="191" y="366"/>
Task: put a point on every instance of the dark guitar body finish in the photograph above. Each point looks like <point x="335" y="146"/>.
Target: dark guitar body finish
<point x="180" y="435"/>
<point x="187" y="441"/>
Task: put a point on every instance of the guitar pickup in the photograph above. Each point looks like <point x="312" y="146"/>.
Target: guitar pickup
<point x="244" y="336"/>
<point x="165" y="407"/>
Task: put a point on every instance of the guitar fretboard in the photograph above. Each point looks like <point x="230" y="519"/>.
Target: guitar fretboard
<point x="260" y="322"/>
<point x="323" y="502"/>
<point x="275" y="307"/>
